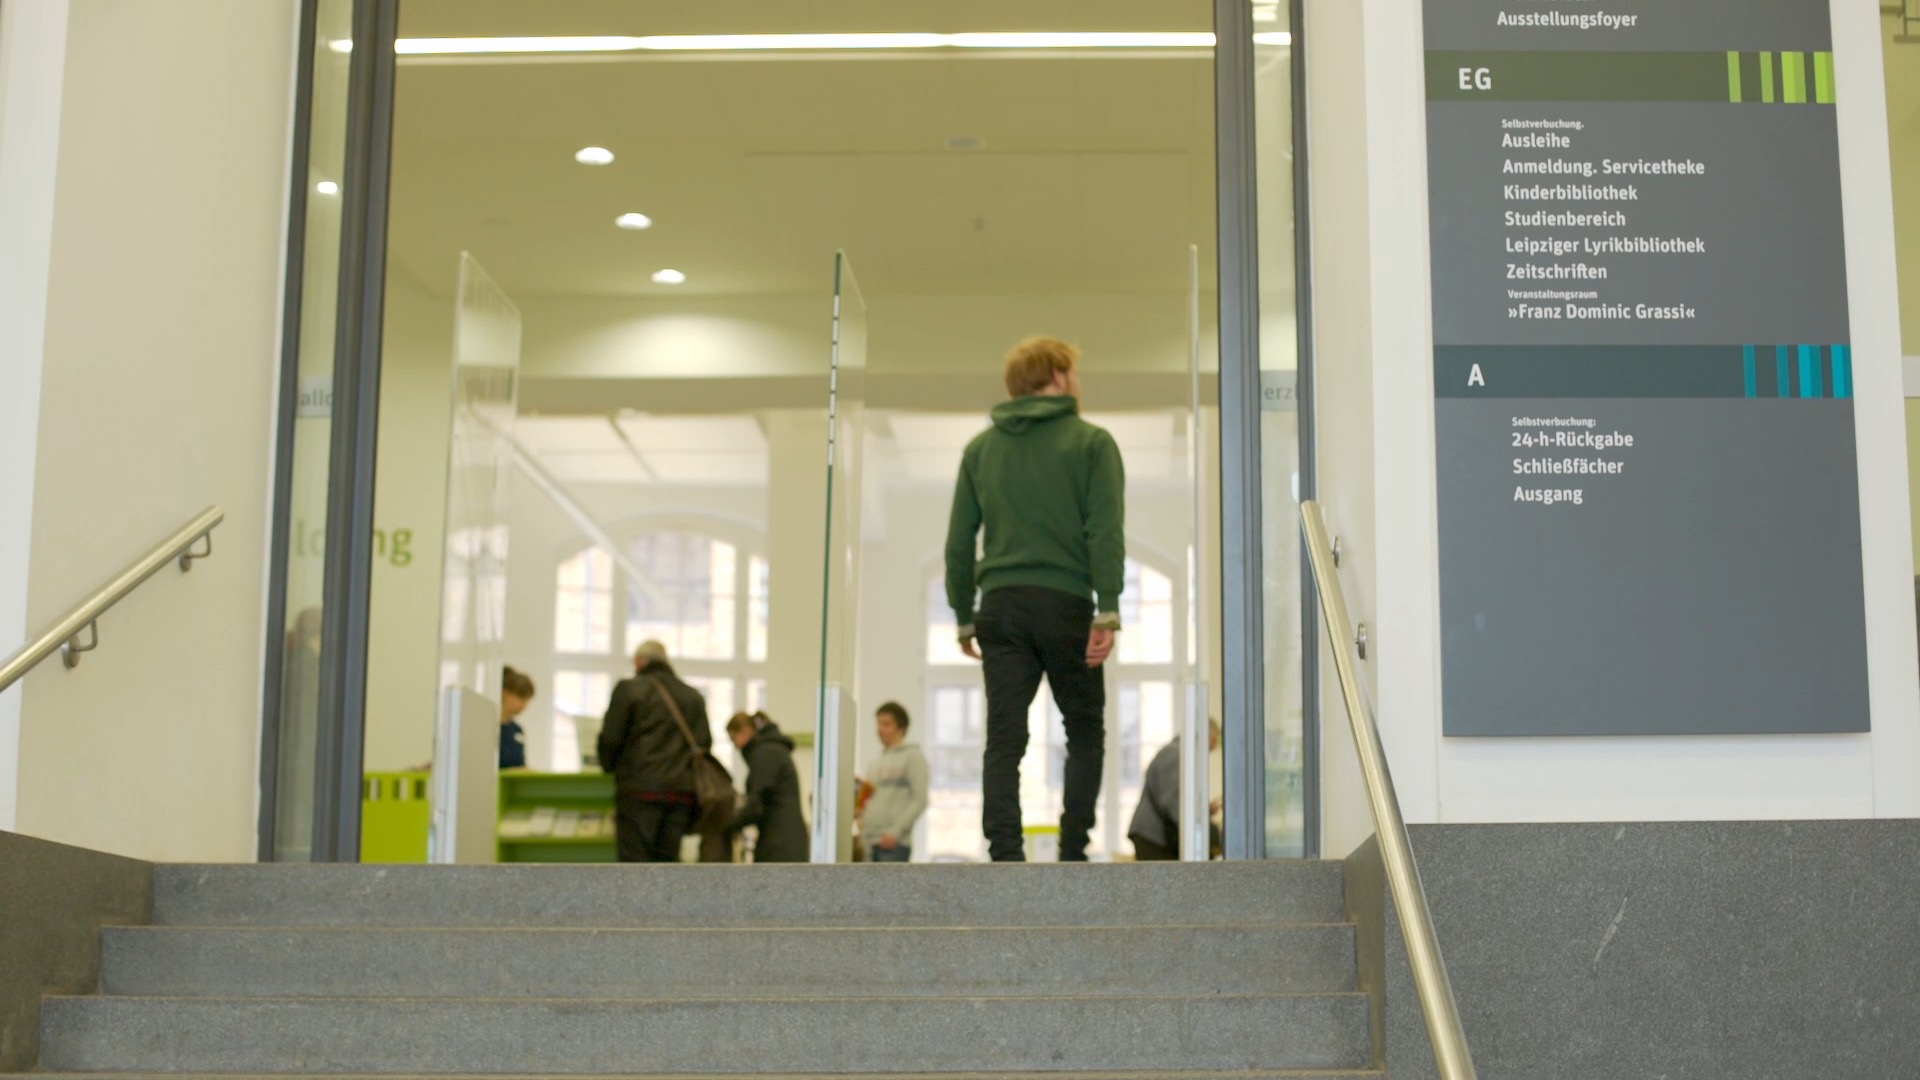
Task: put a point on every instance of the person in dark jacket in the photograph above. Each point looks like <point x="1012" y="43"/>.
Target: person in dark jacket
<point x="773" y="790"/>
<point x="642" y="745"/>
<point x="516" y="690"/>
<point x="1155" y="830"/>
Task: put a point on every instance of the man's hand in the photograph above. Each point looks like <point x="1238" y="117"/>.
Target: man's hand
<point x="889" y="841"/>
<point x="970" y="647"/>
<point x="1099" y="647"/>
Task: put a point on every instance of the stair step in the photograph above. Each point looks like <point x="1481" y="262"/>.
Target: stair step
<point x="319" y="895"/>
<point x="918" y="962"/>
<point x="395" y="1036"/>
<point x="1105" y="1074"/>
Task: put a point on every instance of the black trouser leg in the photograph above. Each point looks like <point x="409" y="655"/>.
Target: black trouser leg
<point x="675" y="820"/>
<point x="633" y="824"/>
<point x="1013" y="671"/>
<point x="650" y="831"/>
<point x="1081" y="694"/>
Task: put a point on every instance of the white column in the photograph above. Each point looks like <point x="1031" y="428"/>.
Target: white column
<point x="796" y="558"/>
<point x="33" y="53"/>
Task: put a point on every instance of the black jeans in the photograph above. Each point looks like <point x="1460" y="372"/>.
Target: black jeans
<point x="650" y="831"/>
<point x="1024" y="632"/>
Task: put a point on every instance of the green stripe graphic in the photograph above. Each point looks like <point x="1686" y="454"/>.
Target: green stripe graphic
<point x="1823" y="78"/>
<point x="1766" y="77"/>
<point x="1793" y="77"/>
<point x="1733" y="77"/>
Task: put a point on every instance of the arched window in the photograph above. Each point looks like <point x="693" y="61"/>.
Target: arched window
<point x="702" y="594"/>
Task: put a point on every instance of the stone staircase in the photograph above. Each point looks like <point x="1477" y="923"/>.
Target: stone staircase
<point x="1168" y="970"/>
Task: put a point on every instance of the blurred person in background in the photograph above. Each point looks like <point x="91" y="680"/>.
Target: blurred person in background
<point x="772" y="803"/>
<point x="516" y="691"/>
<point x="899" y="797"/>
<point x="1155" y="830"/>
<point x="642" y="744"/>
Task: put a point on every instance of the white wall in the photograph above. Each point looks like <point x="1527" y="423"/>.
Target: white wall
<point x="789" y="335"/>
<point x="1902" y="60"/>
<point x="33" y="55"/>
<point x="157" y="400"/>
<point x="1392" y="584"/>
<point x="410" y="504"/>
<point x="1338" y="156"/>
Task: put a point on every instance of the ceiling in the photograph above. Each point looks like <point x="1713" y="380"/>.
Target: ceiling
<point x="1094" y="172"/>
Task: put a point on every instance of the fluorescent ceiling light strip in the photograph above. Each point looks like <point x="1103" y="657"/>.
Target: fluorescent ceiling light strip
<point x="488" y="46"/>
<point x="790" y="42"/>
<point x="481" y="46"/>
<point x="1199" y="40"/>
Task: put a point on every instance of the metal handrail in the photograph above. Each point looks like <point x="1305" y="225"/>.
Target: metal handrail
<point x="1396" y="851"/>
<point x="64" y="636"/>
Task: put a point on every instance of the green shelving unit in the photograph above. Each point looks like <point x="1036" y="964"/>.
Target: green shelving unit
<point x="589" y="795"/>
<point x="394" y="817"/>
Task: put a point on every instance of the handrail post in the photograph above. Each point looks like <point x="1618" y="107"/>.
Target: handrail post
<point x="1437" y="1003"/>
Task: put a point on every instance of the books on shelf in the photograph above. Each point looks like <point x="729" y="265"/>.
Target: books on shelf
<point x="548" y="822"/>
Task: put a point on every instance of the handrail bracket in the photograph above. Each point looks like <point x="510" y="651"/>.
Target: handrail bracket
<point x="70" y="652"/>
<point x="187" y="557"/>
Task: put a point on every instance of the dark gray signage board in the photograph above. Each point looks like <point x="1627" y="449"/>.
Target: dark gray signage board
<point x="1649" y="517"/>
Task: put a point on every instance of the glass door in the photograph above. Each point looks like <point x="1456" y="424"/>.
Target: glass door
<point x="837" y="716"/>
<point x="485" y="390"/>
<point x="1196" y="743"/>
<point x="291" y="767"/>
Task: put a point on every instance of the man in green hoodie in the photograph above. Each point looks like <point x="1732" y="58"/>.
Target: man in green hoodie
<point x="1048" y="488"/>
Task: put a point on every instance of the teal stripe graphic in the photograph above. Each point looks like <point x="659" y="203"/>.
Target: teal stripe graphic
<point x="1753" y="376"/>
<point x="1809" y="372"/>
<point x="1842" y="371"/>
<point x="1780" y="384"/>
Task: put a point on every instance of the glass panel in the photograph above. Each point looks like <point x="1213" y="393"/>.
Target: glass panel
<point x="486" y="368"/>
<point x="1279" y="428"/>
<point x="319" y="284"/>
<point x="838" y="719"/>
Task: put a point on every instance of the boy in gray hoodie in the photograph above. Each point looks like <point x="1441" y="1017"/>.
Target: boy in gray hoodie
<point x="899" y="789"/>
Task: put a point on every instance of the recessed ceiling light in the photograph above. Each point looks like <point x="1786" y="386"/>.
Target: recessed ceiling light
<point x="594" y="155"/>
<point x="669" y="277"/>
<point x="1273" y="37"/>
<point x="327" y="187"/>
<point x="634" y="221"/>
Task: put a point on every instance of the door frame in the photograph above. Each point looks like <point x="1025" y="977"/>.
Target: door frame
<point x="355" y="422"/>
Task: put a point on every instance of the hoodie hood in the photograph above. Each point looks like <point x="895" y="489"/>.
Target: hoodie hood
<point x="771" y="733"/>
<point x="1022" y="414"/>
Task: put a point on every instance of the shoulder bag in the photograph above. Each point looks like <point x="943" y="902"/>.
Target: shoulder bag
<point x="712" y="784"/>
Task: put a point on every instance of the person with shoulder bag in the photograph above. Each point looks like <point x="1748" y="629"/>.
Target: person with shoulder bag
<point x="656" y="743"/>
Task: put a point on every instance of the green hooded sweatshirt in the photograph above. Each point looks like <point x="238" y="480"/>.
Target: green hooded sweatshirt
<point x="1049" y="489"/>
